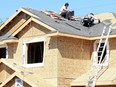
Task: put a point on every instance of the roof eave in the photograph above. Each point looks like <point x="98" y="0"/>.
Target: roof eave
<point x="78" y="36"/>
<point x="14" y="40"/>
<point x="68" y="35"/>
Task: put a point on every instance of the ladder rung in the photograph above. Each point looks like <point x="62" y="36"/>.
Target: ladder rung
<point x="101" y="46"/>
<point x="99" y="56"/>
<point x="99" y="70"/>
<point x="100" y="51"/>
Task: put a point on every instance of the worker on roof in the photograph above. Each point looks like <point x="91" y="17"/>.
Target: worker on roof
<point x="89" y="20"/>
<point x="64" y="12"/>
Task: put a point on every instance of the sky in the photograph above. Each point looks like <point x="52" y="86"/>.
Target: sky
<point x="80" y="7"/>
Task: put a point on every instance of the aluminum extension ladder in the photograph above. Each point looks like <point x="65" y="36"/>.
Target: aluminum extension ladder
<point x="98" y="67"/>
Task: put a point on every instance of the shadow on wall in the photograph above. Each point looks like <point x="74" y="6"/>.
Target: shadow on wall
<point x="12" y="47"/>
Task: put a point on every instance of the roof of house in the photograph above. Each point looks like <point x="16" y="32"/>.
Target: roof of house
<point x="62" y="25"/>
<point x="67" y="26"/>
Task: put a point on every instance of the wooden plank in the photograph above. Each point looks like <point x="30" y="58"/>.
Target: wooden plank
<point x="7" y="80"/>
<point x="19" y="29"/>
<point x="16" y="26"/>
<point x="14" y="15"/>
<point x="34" y="20"/>
<point x="10" y="19"/>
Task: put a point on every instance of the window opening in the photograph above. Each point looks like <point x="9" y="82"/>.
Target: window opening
<point x="3" y="52"/>
<point x="35" y="52"/>
<point x="100" y="53"/>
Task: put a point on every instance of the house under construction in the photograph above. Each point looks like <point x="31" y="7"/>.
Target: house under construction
<point x="40" y="49"/>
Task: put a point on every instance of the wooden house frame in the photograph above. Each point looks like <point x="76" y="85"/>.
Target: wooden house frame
<point x="65" y="49"/>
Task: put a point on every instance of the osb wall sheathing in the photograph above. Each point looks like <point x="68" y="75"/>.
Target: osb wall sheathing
<point x="32" y="30"/>
<point x="15" y="23"/>
<point x="112" y="62"/>
<point x="49" y="70"/>
<point x="5" y="72"/>
<point x="74" y="58"/>
<point x="105" y="16"/>
<point x="112" y="48"/>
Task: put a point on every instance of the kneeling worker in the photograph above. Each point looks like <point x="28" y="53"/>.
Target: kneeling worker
<point x="89" y="20"/>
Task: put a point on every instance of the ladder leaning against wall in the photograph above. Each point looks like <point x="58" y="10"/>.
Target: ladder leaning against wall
<point x="100" y="63"/>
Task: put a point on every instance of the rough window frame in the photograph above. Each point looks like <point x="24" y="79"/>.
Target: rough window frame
<point x="25" y="47"/>
<point x="5" y="46"/>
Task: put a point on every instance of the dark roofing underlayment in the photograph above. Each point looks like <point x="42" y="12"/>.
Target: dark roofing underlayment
<point x="65" y="26"/>
<point x="68" y="26"/>
<point x="6" y="36"/>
